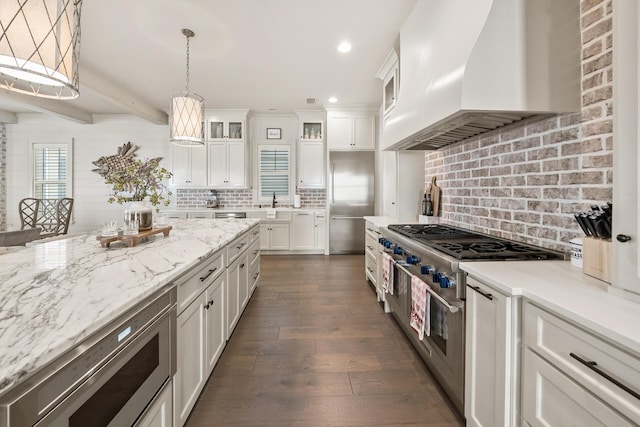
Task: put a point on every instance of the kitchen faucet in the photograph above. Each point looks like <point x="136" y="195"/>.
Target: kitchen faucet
<point x="273" y="203"/>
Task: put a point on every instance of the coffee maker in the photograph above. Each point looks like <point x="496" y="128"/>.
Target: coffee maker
<point x="212" y="200"/>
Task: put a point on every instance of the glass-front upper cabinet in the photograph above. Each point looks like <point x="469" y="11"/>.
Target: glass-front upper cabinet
<point x="389" y="74"/>
<point x="226" y="126"/>
<point x="311" y="131"/>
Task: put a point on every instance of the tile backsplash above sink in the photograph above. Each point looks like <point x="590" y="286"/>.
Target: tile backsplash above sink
<point x="242" y="199"/>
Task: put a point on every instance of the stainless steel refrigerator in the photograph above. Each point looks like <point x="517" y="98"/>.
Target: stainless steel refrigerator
<point x="351" y="196"/>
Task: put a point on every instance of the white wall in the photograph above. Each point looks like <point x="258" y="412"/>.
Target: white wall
<point x="90" y="142"/>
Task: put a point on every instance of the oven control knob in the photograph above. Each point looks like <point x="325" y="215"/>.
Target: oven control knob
<point x="398" y="250"/>
<point x="445" y="282"/>
<point x="426" y="269"/>
<point x="387" y="244"/>
<point x="381" y="240"/>
<point x="436" y="277"/>
<point x="412" y="259"/>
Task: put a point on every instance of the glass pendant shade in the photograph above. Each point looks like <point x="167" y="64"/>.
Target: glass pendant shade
<point x="40" y="47"/>
<point x="186" y="119"/>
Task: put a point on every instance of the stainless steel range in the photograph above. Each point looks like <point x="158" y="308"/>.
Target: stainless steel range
<point x="433" y="253"/>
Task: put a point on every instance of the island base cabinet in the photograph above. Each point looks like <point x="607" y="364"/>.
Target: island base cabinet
<point x="551" y="399"/>
<point x="160" y="413"/>
<point x="215" y="323"/>
<point x="200" y="341"/>
<point x="238" y="286"/>
<point x="190" y="375"/>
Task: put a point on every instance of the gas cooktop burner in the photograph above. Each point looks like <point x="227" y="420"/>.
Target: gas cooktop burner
<point x="468" y="245"/>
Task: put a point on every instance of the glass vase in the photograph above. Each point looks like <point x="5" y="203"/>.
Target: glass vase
<point x="143" y="213"/>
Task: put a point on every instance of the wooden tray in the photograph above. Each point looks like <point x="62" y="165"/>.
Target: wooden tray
<point x="132" y="240"/>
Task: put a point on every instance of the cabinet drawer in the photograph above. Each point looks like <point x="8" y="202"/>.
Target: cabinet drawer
<point x="254" y="252"/>
<point x="236" y="247"/>
<point x="195" y="281"/>
<point x="254" y="275"/>
<point x="550" y="398"/>
<point x="370" y="245"/>
<point x="371" y="267"/>
<point x="254" y="233"/>
<point x="610" y="373"/>
<point x="372" y="231"/>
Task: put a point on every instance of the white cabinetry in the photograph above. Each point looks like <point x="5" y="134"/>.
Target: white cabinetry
<point x="189" y="166"/>
<point x="311" y="169"/>
<point x="401" y="191"/>
<point x="227" y="164"/>
<point x="572" y="377"/>
<point x="626" y="133"/>
<point x="372" y="234"/>
<point x="275" y="236"/>
<point x="351" y="130"/>
<point x="210" y="301"/>
<point x="320" y="234"/>
<point x="303" y="234"/>
<point x="311" y="151"/>
<point x="388" y="73"/>
<point x="226" y="135"/>
<point x="160" y="413"/>
<point x="226" y="125"/>
<point x="490" y="357"/>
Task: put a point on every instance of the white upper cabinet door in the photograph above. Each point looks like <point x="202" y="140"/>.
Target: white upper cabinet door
<point x="189" y="166"/>
<point x="626" y="156"/>
<point x="217" y="164"/>
<point x="340" y="135"/>
<point x="311" y="170"/>
<point x="235" y="164"/>
<point x="364" y="137"/>
<point x="351" y="130"/>
<point x="389" y="184"/>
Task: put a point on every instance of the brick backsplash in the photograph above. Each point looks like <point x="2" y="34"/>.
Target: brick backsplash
<point x="3" y="177"/>
<point x="525" y="181"/>
<point x="242" y="199"/>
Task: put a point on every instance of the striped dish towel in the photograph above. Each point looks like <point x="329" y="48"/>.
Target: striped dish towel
<point x="387" y="273"/>
<point x="420" y="310"/>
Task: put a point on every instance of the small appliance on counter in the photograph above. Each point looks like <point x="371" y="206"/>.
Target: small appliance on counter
<point x="212" y="200"/>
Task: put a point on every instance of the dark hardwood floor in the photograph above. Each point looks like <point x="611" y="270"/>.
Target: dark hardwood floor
<point x="314" y="348"/>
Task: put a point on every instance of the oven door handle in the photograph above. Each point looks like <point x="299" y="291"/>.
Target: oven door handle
<point x="452" y="308"/>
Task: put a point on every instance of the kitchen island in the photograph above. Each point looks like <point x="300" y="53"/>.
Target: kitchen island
<point x="55" y="294"/>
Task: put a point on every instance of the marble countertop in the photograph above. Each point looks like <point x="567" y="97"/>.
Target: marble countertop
<point x="566" y="291"/>
<point x="211" y="210"/>
<point x="55" y="294"/>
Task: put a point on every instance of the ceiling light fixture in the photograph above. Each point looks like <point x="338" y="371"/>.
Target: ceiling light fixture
<point x="186" y="117"/>
<point x="40" y="47"/>
<point x="344" y="47"/>
<point x="333" y="100"/>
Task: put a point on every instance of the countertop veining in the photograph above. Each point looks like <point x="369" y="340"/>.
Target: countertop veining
<point x="55" y="294"/>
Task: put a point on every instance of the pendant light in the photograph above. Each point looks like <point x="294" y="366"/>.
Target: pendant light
<point x="186" y="118"/>
<point x="40" y="47"/>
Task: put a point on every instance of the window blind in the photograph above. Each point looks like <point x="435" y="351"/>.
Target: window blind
<point x="274" y="171"/>
<point x="49" y="171"/>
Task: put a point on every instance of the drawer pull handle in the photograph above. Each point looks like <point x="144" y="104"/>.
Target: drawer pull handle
<point x="242" y="265"/>
<point x="370" y="270"/>
<point x="209" y="304"/>
<point x="370" y="247"/>
<point x="477" y="289"/>
<point x="255" y="276"/>
<point x="203" y="278"/>
<point x="241" y="245"/>
<point x="594" y="367"/>
<point x="255" y="252"/>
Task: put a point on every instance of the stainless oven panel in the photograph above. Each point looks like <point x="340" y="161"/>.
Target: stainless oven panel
<point x="79" y="368"/>
<point x="118" y="393"/>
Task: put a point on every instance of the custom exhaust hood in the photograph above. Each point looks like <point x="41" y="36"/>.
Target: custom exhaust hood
<point x="471" y="66"/>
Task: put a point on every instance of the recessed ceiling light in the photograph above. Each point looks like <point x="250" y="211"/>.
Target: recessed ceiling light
<point x="344" y="47"/>
<point x="333" y="100"/>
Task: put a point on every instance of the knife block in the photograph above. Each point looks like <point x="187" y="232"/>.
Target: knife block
<point x="596" y="258"/>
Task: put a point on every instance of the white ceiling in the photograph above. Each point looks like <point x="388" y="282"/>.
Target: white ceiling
<point x="257" y="54"/>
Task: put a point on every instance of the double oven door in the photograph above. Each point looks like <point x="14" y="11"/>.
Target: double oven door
<point x="443" y="349"/>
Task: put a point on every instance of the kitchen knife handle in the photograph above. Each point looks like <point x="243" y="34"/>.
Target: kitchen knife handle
<point x="623" y="238"/>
